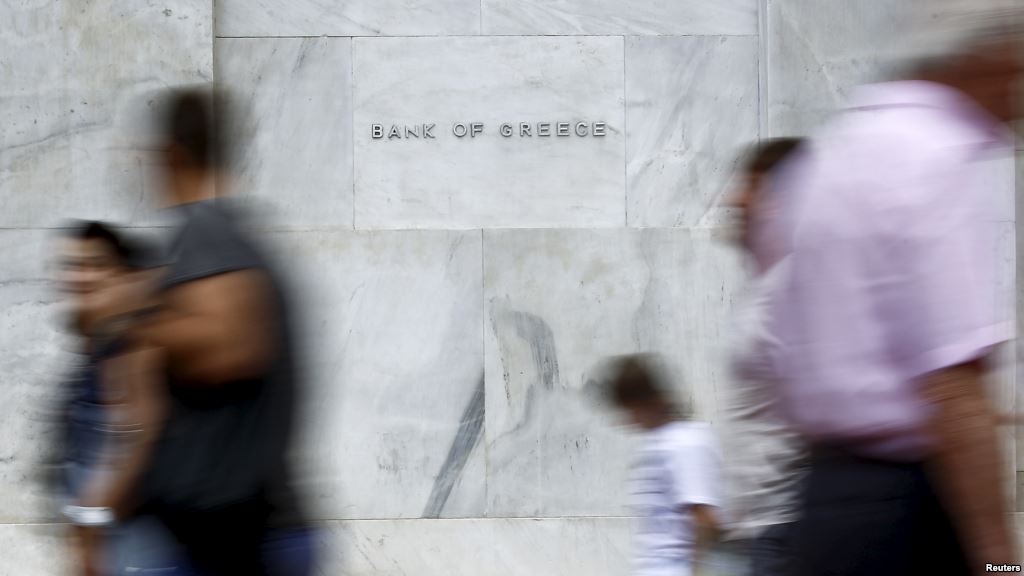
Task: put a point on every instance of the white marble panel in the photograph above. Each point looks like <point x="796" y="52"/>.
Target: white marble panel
<point x="489" y="180"/>
<point x="392" y="335"/>
<point x="347" y="17"/>
<point x="71" y="69"/>
<point x="31" y="370"/>
<point x="691" y="108"/>
<point x="478" y="547"/>
<point x="818" y="51"/>
<point x="34" y="550"/>
<point x="294" y="129"/>
<point x="567" y="17"/>
<point x="558" y="303"/>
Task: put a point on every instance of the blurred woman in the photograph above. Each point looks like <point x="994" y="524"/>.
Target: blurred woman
<point x="110" y="409"/>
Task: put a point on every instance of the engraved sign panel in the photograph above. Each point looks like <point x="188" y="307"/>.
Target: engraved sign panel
<point x="489" y="132"/>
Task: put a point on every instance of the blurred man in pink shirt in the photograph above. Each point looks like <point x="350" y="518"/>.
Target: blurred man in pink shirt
<point x="888" y="316"/>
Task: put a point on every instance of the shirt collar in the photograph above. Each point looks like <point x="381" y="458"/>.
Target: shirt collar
<point x="925" y="94"/>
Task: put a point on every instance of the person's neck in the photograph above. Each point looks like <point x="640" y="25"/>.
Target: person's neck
<point x="195" y="187"/>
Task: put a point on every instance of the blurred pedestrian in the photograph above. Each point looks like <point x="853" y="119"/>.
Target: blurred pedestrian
<point x="110" y="413"/>
<point x="889" y="316"/>
<point x="675" y="477"/>
<point x="91" y="256"/>
<point x="219" y="476"/>
<point x="766" y="458"/>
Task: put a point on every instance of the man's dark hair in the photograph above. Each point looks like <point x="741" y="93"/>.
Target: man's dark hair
<point x="130" y="253"/>
<point x="634" y="382"/>
<point x="193" y="126"/>
<point x="765" y="156"/>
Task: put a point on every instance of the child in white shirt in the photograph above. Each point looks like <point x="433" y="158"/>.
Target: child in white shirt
<point x="675" y="477"/>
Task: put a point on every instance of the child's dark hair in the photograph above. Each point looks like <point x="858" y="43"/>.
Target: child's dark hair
<point x="94" y="230"/>
<point x="636" y="381"/>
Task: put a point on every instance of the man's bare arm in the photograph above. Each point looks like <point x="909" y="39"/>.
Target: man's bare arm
<point x="216" y="329"/>
<point x="967" y="466"/>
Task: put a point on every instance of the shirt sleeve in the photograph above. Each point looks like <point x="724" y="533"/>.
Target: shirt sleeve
<point x="943" y="280"/>
<point x="209" y="244"/>
<point x="696" y="469"/>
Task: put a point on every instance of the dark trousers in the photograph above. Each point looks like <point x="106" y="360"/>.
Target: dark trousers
<point x="772" y="553"/>
<point x="221" y="542"/>
<point x="865" y="517"/>
<point x="285" y="552"/>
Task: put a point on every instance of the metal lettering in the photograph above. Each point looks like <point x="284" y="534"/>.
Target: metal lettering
<point x="505" y="129"/>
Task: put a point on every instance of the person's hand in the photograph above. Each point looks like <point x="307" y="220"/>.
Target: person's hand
<point x="117" y="299"/>
<point x="1009" y="419"/>
<point x="88" y="550"/>
<point x="126" y="293"/>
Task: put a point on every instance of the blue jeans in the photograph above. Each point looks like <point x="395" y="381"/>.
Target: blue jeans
<point x="142" y="546"/>
<point x="136" y="546"/>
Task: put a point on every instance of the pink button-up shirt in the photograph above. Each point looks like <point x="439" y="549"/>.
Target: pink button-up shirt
<point x="892" y="268"/>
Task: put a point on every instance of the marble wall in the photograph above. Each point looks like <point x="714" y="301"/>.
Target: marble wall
<point x="457" y="292"/>
<point x="72" y="75"/>
<point x="70" y="72"/>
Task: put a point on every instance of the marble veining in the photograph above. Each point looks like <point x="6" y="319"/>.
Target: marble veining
<point x="818" y="51"/>
<point x="294" y="127"/>
<point x="70" y="71"/>
<point x="36" y="359"/>
<point x="471" y="427"/>
<point x="676" y="17"/>
<point x="347" y="17"/>
<point x="478" y="547"/>
<point x="391" y="332"/>
<point x="691" y="109"/>
<point x="553" y="447"/>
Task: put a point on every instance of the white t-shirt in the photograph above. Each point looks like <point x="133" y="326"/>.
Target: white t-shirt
<point x="677" y="467"/>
